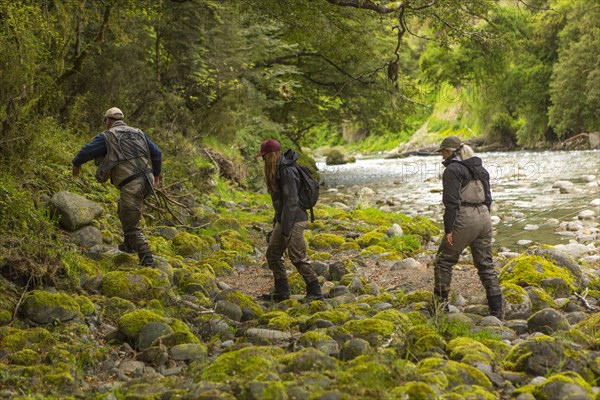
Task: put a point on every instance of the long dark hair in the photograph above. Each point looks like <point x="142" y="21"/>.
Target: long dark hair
<point x="270" y="169"/>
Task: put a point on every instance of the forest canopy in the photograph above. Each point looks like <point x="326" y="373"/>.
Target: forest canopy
<point x="308" y="72"/>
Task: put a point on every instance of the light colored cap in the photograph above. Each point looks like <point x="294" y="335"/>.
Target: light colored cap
<point x="114" y="113"/>
<point x="450" y="142"/>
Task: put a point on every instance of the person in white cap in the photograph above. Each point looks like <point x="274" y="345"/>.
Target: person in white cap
<point x="467" y="199"/>
<point x="133" y="163"/>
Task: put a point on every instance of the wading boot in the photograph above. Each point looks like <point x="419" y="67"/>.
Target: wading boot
<point x="281" y="292"/>
<point x="125" y="248"/>
<point x="313" y="292"/>
<point x="495" y="305"/>
<point x="146" y="259"/>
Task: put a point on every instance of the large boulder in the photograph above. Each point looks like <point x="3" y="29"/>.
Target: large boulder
<point x="43" y="307"/>
<point x="74" y="211"/>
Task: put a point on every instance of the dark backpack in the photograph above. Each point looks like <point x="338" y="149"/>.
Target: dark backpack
<point x="308" y="193"/>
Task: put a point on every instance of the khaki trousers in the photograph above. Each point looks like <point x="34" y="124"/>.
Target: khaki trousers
<point x="130" y="208"/>
<point x="472" y="228"/>
<point x="296" y="248"/>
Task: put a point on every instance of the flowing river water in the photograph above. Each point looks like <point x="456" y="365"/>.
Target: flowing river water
<point x="526" y="205"/>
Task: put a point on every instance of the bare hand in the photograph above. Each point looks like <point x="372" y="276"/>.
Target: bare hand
<point x="76" y="170"/>
<point x="449" y="239"/>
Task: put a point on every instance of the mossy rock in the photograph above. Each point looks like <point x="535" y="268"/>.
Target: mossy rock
<point x="203" y="281"/>
<point x="225" y="223"/>
<point x="221" y="268"/>
<point x="400" y="320"/>
<point x="375" y="331"/>
<point x="544" y="354"/>
<point x="243" y="365"/>
<point x="321" y="256"/>
<point x="26" y="357"/>
<point x="233" y="241"/>
<point x="406" y="245"/>
<point x="43" y="307"/>
<point x="470" y="351"/>
<point x="414" y="391"/>
<point x="278" y="320"/>
<point x="421" y="339"/>
<point x="540" y="300"/>
<point x="562" y="384"/>
<point x="241" y="299"/>
<point x="590" y="326"/>
<point x="417" y="296"/>
<point x="145" y="283"/>
<point x="373" y="251"/>
<point x="367" y="374"/>
<point x="114" y="307"/>
<point x="455" y="372"/>
<point x="326" y="241"/>
<point x="188" y="245"/>
<point x="372" y="238"/>
<point x="471" y="392"/>
<point x="308" y="359"/>
<point x="132" y="322"/>
<point x="161" y="246"/>
<point x="349" y="244"/>
<point x="532" y="270"/>
<point x="336" y="317"/>
<point x="37" y="339"/>
<point x="85" y="305"/>
<point x="420" y="226"/>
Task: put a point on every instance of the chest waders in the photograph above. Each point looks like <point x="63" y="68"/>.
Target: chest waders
<point x="127" y="162"/>
<point x="473" y="228"/>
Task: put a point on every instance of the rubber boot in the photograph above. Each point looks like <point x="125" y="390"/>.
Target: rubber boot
<point x="313" y="292"/>
<point x="281" y="292"/>
<point x="495" y="305"/>
<point x="146" y="259"/>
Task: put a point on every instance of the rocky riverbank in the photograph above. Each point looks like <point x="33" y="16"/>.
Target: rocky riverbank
<point x="191" y="328"/>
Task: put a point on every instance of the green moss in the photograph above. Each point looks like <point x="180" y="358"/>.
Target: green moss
<point x="296" y="283"/>
<point x="308" y="339"/>
<point x="422" y="338"/>
<point x="414" y="391"/>
<point x="517" y="358"/>
<point x="221" y="268"/>
<point x="370" y="329"/>
<point x="373" y="250"/>
<point x="472" y="392"/>
<point x="541" y="300"/>
<point x="244" y="365"/>
<point x="407" y="245"/>
<point x="25" y="357"/>
<point x="188" y="245"/>
<point x="85" y="305"/>
<point x="161" y="246"/>
<point x="544" y="390"/>
<point x="456" y="373"/>
<point x="590" y="326"/>
<point x="278" y="320"/>
<point x="514" y="294"/>
<point x="326" y="241"/>
<point x="225" y="223"/>
<point x="244" y="301"/>
<point x="531" y="270"/>
<point x="233" y="241"/>
<point x="417" y="296"/>
<point x="469" y="351"/>
<point x="132" y="322"/>
<point x="349" y="244"/>
<point x="37" y="339"/>
<point x="126" y="285"/>
<point x="372" y="238"/>
<point x="115" y="307"/>
<point x="5" y="317"/>
<point x="400" y="320"/>
<point x="41" y="299"/>
<point x="335" y="316"/>
<point x="370" y="374"/>
<point x="321" y="256"/>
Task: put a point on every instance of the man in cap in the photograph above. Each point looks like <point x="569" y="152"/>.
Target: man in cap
<point x="133" y="163"/>
<point x="289" y="223"/>
<point x="467" y="200"/>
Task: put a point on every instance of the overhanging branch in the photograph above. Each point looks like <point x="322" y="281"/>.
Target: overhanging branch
<point x="369" y="5"/>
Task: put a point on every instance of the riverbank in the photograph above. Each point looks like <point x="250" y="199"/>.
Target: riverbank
<point x="92" y="324"/>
